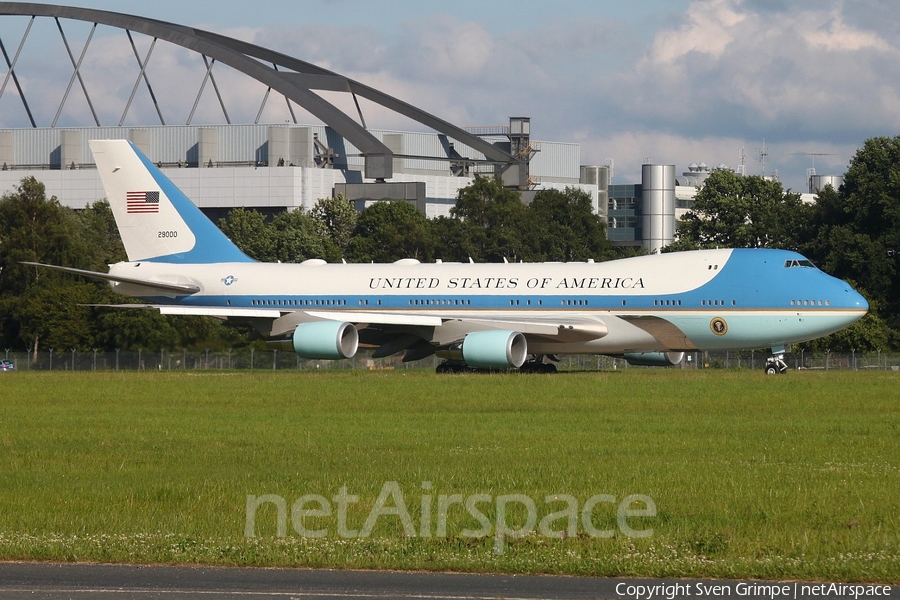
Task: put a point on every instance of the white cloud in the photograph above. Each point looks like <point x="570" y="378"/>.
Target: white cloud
<point x="711" y="25"/>
<point x="444" y="48"/>
<point x="836" y="35"/>
<point x="801" y="72"/>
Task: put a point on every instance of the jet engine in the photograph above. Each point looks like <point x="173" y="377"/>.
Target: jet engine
<point x="654" y="359"/>
<point x="494" y="349"/>
<point x="327" y="340"/>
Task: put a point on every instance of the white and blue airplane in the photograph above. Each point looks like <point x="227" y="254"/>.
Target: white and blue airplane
<point x="649" y="310"/>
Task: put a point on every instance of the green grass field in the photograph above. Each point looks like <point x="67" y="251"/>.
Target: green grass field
<point x="790" y="477"/>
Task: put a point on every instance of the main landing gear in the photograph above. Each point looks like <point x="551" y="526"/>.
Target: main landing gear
<point x="775" y="364"/>
<point x="536" y="364"/>
<point x="452" y="366"/>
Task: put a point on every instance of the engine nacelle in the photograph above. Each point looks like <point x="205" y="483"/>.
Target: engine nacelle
<point x="494" y="349"/>
<point x="654" y="359"/>
<point x="326" y="340"/>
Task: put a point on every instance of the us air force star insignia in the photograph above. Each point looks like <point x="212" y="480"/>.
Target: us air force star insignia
<point x="718" y="326"/>
<point x="229" y="280"/>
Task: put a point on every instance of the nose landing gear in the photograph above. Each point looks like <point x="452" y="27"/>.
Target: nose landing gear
<point x="775" y="364"/>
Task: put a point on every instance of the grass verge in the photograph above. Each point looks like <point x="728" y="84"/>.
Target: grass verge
<point x="792" y="477"/>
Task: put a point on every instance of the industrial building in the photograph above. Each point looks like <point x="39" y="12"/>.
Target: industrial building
<point x="271" y="167"/>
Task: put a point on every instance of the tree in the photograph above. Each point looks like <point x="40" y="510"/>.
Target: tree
<point x="97" y="225"/>
<point x="732" y="211"/>
<point x="391" y="230"/>
<point x="248" y="229"/>
<point x="497" y="223"/>
<point x="855" y="234"/>
<point x="454" y="239"/>
<point x="335" y="220"/>
<point x="38" y="229"/>
<point x="565" y="227"/>
<point x="859" y="227"/>
<point x="296" y="237"/>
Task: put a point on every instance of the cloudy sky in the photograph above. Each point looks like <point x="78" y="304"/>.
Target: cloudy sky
<point x="675" y="81"/>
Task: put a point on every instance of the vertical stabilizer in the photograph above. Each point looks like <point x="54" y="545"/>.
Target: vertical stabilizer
<point x="157" y="222"/>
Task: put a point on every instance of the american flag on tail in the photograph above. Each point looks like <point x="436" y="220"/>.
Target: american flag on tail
<point x="142" y="202"/>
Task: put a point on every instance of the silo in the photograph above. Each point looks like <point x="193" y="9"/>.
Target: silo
<point x="657" y="206"/>
<point x="817" y="183"/>
<point x="598" y="175"/>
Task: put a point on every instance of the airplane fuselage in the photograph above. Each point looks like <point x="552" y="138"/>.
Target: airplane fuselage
<point x="706" y="300"/>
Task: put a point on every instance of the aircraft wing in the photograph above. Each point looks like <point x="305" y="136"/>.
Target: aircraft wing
<point x="561" y="329"/>
<point x="395" y="331"/>
<point x="161" y="286"/>
<point x="564" y="328"/>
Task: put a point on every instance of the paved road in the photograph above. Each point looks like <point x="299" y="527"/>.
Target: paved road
<point x="82" y="581"/>
<point x="115" y="582"/>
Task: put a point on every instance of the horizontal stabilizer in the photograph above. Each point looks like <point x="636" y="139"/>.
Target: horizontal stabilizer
<point x="183" y="288"/>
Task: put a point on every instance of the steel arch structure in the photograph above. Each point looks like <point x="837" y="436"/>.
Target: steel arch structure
<point x="296" y="84"/>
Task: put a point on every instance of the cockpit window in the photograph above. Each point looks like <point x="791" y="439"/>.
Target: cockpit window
<point x="788" y="264"/>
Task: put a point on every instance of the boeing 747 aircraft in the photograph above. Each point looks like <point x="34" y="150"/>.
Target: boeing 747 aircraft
<point x="648" y="309"/>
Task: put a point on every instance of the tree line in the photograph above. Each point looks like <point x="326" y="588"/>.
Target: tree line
<point x="852" y="233"/>
<point x="488" y="224"/>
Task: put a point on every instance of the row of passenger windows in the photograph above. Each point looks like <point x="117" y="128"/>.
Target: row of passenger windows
<point x="438" y="302"/>
<point x="514" y="302"/>
<point x="433" y="302"/>
<point x="298" y="302"/>
<point x="467" y="302"/>
<point x="810" y="302"/>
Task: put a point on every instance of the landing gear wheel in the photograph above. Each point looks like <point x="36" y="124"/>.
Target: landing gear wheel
<point x="537" y="365"/>
<point x="776" y="366"/>
<point x="451" y="366"/>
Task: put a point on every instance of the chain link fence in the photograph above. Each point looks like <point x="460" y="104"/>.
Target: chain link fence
<point x="280" y="360"/>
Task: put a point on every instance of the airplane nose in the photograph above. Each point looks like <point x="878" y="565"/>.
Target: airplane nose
<point x="856" y="299"/>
